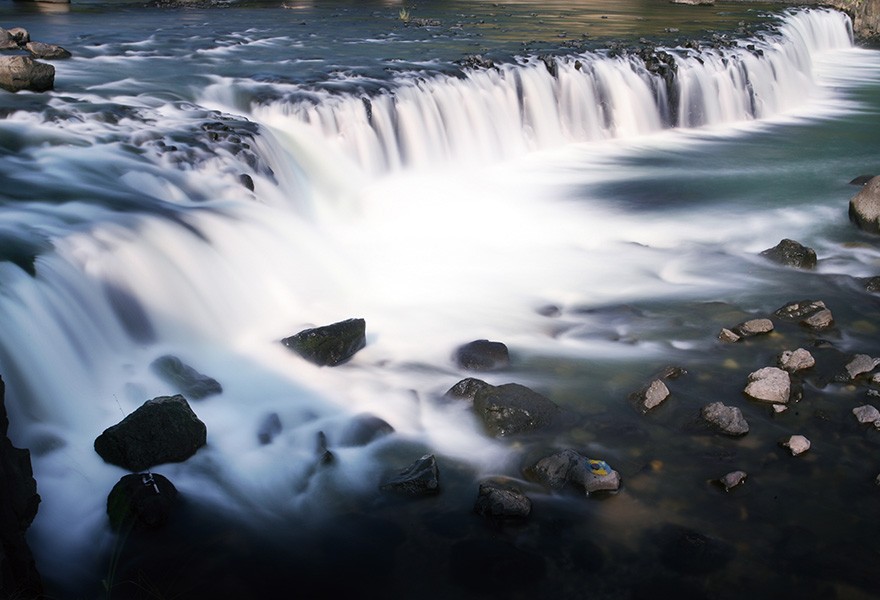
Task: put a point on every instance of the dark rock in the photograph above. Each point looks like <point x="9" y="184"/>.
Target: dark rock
<point x="864" y="207"/>
<point x="466" y="389"/>
<point x="20" y="35"/>
<point x="553" y="470"/>
<point x="184" y="378"/>
<point x="497" y="501"/>
<point x="791" y="254"/>
<point x="872" y="284"/>
<point x="247" y="181"/>
<point x="809" y="313"/>
<point x="419" y="479"/>
<point x="163" y="429"/>
<point x="728" y="419"/>
<point x="18" y="507"/>
<point x="46" y="51"/>
<point x="861" y="179"/>
<point x="482" y="355"/>
<point x="269" y="427"/>
<point x="476" y="61"/>
<point x="686" y="551"/>
<point x="329" y="345"/>
<point x="325" y="457"/>
<point x="23" y="73"/>
<point x="513" y="408"/>
<point x="363" y="429"/>
<point x="733" y="479"/>
<point x="141" y="501"/>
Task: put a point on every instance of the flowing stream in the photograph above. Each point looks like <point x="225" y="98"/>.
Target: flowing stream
<point x="204" y="182"/>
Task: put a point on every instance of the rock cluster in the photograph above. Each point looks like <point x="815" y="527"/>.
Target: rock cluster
<point x="21" y="72"/>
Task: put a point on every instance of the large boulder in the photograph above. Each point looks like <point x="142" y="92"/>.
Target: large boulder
<point x="141" y="501"/>
<point x="18" y="507"/>
<point x="791" y="254"/>
<point x="184" y="378"/>
<point x="23" y="73"/>
<point x="329" y="345"/>
<point x="482" y="355"/>
<point x="162" y="430"/>
<point x="506" y="409"/>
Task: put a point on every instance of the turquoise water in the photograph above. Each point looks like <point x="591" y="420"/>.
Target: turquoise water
<point x="442" y="204"/>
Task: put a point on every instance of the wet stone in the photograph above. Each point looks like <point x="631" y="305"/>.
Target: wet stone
<point x="329" y="345"/>
<point x="512" y="408"/>
<point x="867" y="414"/>
<point x="727" y="419"/>
<point x="652" y="395"/>
<point x="796" y="444"/>
<point x="795" y="311"/>
<point x="860" y="364"/>
<point x="754" y="327"/>
<point x="141" y="501"/>
<point x="482" y="355"/>
<point x="795" y="360"/>
<point x="422" y="478"/>
<point x="568" y="466"/>
<point x="791" y="254"/>
<point x="726" y="335"/>
<point x="498" y="501"/>
<point x="769" y="384"/>
<point x="733" y="479"/>
<point x="819" y="320"/>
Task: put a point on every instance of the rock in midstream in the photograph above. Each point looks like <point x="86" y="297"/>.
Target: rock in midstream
<point x="733" y="479"/>
<point x="499" y="501"/>
<point x="728" y="419"/>
<point x="795" y="360"/>
<point x="770" y="384"/>
<point x="796" y="444"/>
<point x="867" y="414"/>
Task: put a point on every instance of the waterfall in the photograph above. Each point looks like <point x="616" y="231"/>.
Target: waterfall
<point x="495" y="113"/>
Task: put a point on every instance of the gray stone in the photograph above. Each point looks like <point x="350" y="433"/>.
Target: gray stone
<point x="754" y="327"/>
<point x="769" y="384"/>
<point x="860" y="364"/>
<point x="864" y="207"/>
<point x="819" y="320"/>
<point x="46" y="51"/>
<point x="422" y="478"/>
<point x="796" y="444"/>
<point x="791" y="254"/>
<point x="7" y="40"/>
<point x="19" y="73"/>
<point x="568" y="466"/>
<point x="497" y="501"/>
<point x="652" y="395"/>
<point x="796" y="311"/>
<point x="733" y="479"/>
<point x="796" y="360"/>
<point x="553" y="470"/>
<point x="726" y="335"/>
<point x="867" y="414"/>
<point x="728" y="419"/>
<point x="162" y="430"/>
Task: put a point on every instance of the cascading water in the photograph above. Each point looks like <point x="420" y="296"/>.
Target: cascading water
<point x="422" y="207"/>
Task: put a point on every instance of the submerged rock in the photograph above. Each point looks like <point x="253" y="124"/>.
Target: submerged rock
<point x="727" y="419"/>
<point x="363" y="429"/>
<point x="329" y="345"/>
<point x="421" y="478"/>
<point x="796" y="444"/>
<point x="19" y="73"/>
<point x="141" y="501"/>
<point x="795" y="360"/>
<point x="482" y="355"/>
<point x="770" y="384"/>
<point x="164" y="429"/>
<point x="791" y="254"/>
<point x="864" y="207"/>
<point x="498" y="501"/>
<point x="269" y="427"/>
<point x="687" y="551"/>
<point x="184" y="378"/>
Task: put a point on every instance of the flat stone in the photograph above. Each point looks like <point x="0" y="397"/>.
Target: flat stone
<point x="819" y="320"/>
<point x="754" y="327"/>
<point x="733" y="479"/>
<point x="797" y="444"/>
<point x="860" y="364"/>
<point x="652" y="396"/>
<point x="726" y="335"/>
<point x="769" y="384"/>
<point x="867" y="414"/>
<point x="796" y="360"/>
<point x="728" y="419"/>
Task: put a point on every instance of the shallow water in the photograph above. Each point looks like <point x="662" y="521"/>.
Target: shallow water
<point x="450" y="205"/>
